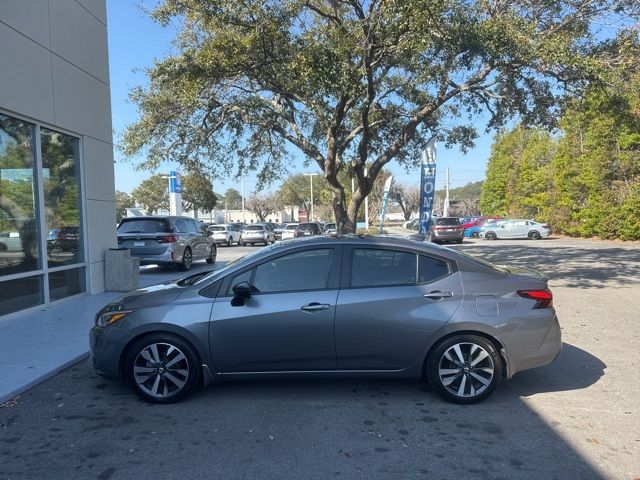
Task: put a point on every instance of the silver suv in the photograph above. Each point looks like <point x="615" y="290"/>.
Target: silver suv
<point x="166" y="240"/>
<point x="257" y="233"/>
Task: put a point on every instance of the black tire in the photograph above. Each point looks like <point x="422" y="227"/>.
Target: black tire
<point x="470" y="378"/>
<point x="187" y="260"/>
<point x="229" y="241"/>
<point x="212" y="255"/>
<point x="475" y="235"/>
<point x="534" y="235"/>
<point x="490" y="236"/>
<point x="166" y="346"/>
<point x="3" y="247"/>
<point x="459" y="241"/>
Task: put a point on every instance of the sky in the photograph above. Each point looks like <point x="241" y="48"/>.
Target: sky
<point x="135" y="41"/>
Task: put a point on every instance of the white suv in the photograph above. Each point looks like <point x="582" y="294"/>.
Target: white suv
<point x="224" y="234"/>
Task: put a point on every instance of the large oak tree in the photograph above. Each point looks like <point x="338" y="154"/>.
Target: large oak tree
<point x="357" y="83"/>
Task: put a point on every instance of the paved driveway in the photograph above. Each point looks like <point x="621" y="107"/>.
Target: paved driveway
<point x="577" y="418"/>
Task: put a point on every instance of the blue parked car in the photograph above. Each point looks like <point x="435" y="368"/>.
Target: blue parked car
<point x="474" y="232"/>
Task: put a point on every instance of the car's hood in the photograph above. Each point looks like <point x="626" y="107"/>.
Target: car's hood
<point x="153" y="295"/>
<point x="524" y="271"/>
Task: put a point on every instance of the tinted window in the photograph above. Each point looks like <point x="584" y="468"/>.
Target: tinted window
<point x="430" y="269"/>
<point x="308" y="270"/>
<point x="371" y="268"/>
<point x="217" y="229"/>
<point x="291" y="227"/>
<point x="448" y="221"/>
<point x="144" y="226"/>
<point x="243" y="277"/>
<point x="254" y="227"/>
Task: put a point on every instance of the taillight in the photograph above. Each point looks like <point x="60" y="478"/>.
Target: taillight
<point x="543" y="297"/>
<point x="120" y="240"/>
<point x="167" y="239"/>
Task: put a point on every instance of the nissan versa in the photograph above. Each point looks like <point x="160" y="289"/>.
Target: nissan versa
<point x="336" y="306"/>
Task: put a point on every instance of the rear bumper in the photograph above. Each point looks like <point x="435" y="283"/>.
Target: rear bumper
<point x="166" y="257"/>
<point x="446" y="236"/>
<point x="539" y="344"/>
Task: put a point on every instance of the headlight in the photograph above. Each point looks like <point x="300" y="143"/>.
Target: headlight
<point x="111" y="314"/>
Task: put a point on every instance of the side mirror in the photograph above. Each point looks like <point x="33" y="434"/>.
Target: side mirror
<point x="241" y="293"/>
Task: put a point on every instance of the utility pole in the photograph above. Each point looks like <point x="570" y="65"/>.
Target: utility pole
<point x="445" y="212"/>
<point x="366" y="205"/>
<point x="310" y="175"/>
<point x="244" y="220"/>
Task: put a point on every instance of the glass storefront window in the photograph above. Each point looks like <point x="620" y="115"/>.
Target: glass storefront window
<point x="65" y="283"/>
<point x="19" y="233"/>
<point x="61" y="182"/>
<point x="20" y="294"/>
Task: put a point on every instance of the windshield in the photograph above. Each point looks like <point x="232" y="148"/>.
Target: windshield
<point x="448" y="221"/>
<point x="148" y="225"/>
<point x="254" y="227"/>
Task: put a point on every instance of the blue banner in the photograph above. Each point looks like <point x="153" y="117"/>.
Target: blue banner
<point x="427" y="185"/>
<point x="174" y="183"/>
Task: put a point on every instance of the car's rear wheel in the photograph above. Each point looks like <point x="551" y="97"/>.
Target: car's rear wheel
<point x="212" y="255"/>
<point x="459" y="241"/>
<point x="490" y="236"/>
<point x="464" y="369"/>
<point x="534" y="235"/>
<point x="229" y="241"/>
<point x="475" y="234"/>
<point x="3" y="247"/>
<point x="187" y="260"/>
<point x="162" y="368"/>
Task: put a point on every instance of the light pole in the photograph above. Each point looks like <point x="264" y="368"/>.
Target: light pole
<point x="242" y="175"/>
<point x="310" y="175"/>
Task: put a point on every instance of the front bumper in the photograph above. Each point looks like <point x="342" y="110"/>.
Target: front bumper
<point x="105" y="348"/>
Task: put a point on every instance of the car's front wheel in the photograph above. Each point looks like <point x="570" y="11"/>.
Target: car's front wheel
<point x="464" y="369"/>
<point x="534" y="235"/>
<point x="490" y="236"/>
<point x="162" y="368"/>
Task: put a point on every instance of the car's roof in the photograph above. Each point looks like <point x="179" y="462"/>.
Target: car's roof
<point x="158" y="217"/>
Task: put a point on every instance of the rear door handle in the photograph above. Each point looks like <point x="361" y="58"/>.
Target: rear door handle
<point x="437" y="295"/>
<point x="315" y="307"/>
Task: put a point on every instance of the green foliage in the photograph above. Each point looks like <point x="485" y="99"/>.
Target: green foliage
<point x="232" y="199"/>
<point x="585" y="182"/>
<point x="123" y="201"/>
<point x="351" y="84"/>
<point x="152" y="194"/>
<point x="197" y="193"/>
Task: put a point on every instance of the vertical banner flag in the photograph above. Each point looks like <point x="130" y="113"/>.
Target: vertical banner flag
<point x="385" y="200"/>
<point x="427" y="185"/>
<point x="175" y="194"/>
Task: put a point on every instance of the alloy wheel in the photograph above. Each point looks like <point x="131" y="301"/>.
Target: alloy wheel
<point x="466" y="369"/>
<point x="161" y="370"/>
<point x="187" y="259"/>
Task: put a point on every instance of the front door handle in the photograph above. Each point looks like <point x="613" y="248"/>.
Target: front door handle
<point x="315" y="307"/>
<point x="437" y="295"/>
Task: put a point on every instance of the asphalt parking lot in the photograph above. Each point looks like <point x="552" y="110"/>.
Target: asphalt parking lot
<point x="578" y="418"/>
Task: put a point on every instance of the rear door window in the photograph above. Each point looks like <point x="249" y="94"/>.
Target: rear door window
<point x="374" y="268"/>
<point x="431" y="269"/>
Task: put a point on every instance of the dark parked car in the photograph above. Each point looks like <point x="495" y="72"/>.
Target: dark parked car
<point x="445" y="229"/>
<point x="167" y="240"/>
<point x="308" y="228"/>
<point x="333" y="306"/>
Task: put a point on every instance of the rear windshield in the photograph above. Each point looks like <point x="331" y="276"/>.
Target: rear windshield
<point x="217" y="229"/>
<point x="448" y="221"/>
<point x="254" y="227"/>
<point x="331" y="225"/>
<point x="144" y="226"/>
<point x="306" y="226"/>
<point x="293" y="226"/>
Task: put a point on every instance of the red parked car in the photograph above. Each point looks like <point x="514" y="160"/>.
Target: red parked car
<point x="479" y="221"/>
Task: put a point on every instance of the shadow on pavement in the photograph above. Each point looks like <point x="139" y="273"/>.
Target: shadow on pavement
<point x="78" y="425"/>
<point x="576" y="267"/>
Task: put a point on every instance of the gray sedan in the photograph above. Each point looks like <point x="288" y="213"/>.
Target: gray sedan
<point x="333" y="306"/>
